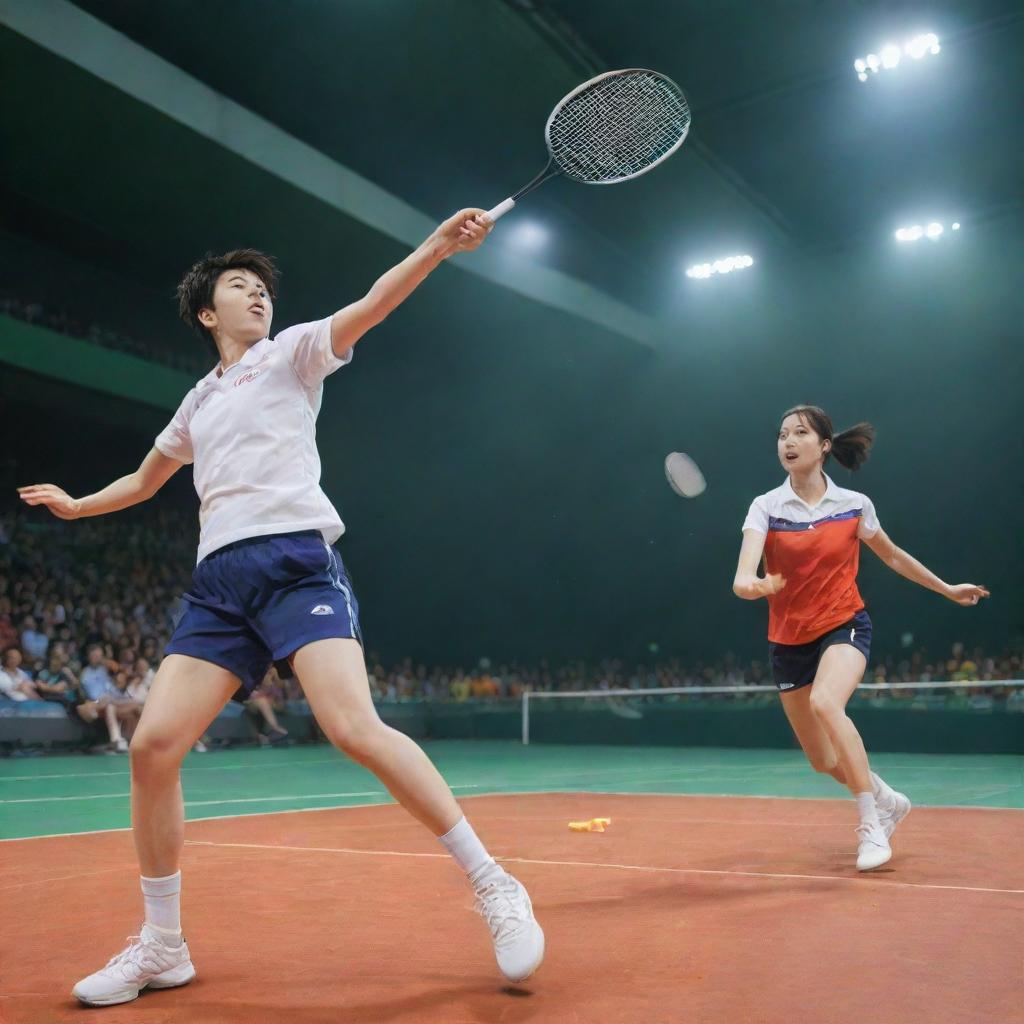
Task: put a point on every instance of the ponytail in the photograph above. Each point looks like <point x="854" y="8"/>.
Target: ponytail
<point x="850" y="447"/>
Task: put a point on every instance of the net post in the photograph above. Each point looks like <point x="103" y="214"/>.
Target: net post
<point x="526" y="715"/>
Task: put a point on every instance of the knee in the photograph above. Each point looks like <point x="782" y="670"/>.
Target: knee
<point x="358" y="737"/>
<point x="825" y="707"/>
<point x="152" y="752"/>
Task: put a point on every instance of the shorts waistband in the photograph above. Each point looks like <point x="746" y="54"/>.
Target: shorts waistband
<point x="262" y="538"/>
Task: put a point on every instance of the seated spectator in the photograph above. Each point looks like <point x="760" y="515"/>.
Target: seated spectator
<point x="139" y="681"/>
<point x="57" y="682"/>
<point x="266" y="700"/>
<point x="15" y="682"/>
<point x="33" y="643"/>
<point x="103" y="698"/>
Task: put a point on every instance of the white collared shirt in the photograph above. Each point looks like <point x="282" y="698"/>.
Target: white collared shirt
<point x="784" y="506"/>
<point x="251" y="434"/>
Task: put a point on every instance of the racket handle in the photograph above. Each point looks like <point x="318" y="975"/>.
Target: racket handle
<point x="500" y="210"/>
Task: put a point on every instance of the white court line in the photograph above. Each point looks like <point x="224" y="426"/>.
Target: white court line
<point x="506" y="793"/>
<point x="184" y="768"/>
<point x="614" y="867"/>
<point x="230" y="800"/>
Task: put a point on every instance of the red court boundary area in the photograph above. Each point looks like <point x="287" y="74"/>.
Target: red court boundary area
<point x="696" y="909"/>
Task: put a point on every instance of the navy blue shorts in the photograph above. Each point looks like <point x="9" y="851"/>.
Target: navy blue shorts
<point x="795" y="665"/>
<point x="259" y="600"/>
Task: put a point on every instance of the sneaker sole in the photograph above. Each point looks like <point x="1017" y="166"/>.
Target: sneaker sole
<point x="129" y="997"/>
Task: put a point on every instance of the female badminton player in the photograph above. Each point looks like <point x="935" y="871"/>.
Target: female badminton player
<point x="269" y="587"/>
<point x="809" y="533"/>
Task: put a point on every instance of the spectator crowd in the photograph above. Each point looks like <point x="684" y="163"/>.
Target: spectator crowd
<point x="86" y="612"/>
<point x="191" y="360"/>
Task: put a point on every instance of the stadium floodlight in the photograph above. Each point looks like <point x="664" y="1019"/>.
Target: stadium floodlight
<point x="890" y="55"/>
<point x="933" y="230"/>
<point x="725" y="265"/>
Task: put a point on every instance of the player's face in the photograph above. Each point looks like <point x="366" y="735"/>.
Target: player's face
<point x="800" y="448"/>
<point x="241" y="306"/>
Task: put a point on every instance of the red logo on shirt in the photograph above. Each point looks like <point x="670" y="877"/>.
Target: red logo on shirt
<point x="248" y="376"/>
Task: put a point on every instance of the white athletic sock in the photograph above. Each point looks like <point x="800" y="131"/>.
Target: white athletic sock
<point x="469" y="853"/>
<point x="884" y="794"/>
<point x="162" y="897"/>
<point x="868" y="810"/>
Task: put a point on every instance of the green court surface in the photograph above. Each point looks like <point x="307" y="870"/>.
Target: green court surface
<point x="66" y="794"/>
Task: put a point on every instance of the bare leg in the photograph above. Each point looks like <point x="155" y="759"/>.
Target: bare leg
<point x="840" y="672"/>
<point x="186" y="696"/>
<point x="811" y="733"/>
<point x="333" y="677"/>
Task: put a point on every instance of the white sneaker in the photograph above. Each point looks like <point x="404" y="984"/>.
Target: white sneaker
<point x="121" y="745"/>
<point x="146" y="963"/>
<point x="874" y="849"/>
<point x="890" y="816"/>
<point x="518" y="940"/>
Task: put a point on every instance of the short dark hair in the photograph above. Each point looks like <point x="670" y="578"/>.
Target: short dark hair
<point x="851" y="447"/>
<point x="195" y="292"/>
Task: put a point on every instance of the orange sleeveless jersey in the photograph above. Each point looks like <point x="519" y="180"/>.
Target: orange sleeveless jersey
<point x="817" y="551"/>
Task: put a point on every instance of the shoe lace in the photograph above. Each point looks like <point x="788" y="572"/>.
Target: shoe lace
<point x="138" y="955"/>
<point x="870" y="834"/>
<point x="498" y="905"/>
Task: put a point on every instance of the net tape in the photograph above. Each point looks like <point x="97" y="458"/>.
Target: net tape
<point x="618" y="127"/>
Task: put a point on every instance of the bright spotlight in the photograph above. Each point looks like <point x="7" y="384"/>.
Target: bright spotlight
<point x="933" y="230"/>
<point x="890" y="55"/>
<point x="725" y="265"/>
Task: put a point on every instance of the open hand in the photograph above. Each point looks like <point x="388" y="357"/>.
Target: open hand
<point x="59" y="502"/>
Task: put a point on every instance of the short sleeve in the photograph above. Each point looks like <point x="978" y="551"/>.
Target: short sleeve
<point x="308" y="348"/>
<point x="174" y="440"/>
<point x="757" y="516"/>
<point x="869" y="524"/>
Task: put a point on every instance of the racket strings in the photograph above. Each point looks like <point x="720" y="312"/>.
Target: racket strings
<point x="618" y="127"/>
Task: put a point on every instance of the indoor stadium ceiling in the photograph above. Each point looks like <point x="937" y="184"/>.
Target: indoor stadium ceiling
<point x="442" y="103"/>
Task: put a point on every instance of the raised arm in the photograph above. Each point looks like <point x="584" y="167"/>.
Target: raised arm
<point x="747" y="584"/>
<point x="906" y="565"/>
<point x="461" y="232"/>
<point x="155" y="471"/>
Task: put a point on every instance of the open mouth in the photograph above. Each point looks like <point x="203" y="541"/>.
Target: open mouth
<point x="791" y="456"/>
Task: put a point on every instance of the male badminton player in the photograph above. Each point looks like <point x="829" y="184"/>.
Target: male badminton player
<point x="809" y="532"/>
<point x="269" y="586"/>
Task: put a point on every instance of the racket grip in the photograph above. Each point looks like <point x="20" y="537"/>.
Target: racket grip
<point x="500" y="210"/>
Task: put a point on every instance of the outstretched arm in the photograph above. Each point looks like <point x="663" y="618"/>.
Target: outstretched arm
<point x="155" y="471"/>
<point x="461" y="232"/>
<point x="747" y="584"/>
<point x="906" y="565"/>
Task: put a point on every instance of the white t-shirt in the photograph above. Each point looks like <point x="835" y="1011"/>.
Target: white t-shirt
<point x="251" y="434"/>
